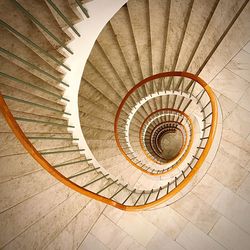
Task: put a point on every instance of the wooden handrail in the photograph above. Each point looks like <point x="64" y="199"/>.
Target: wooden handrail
<point x="43" y="162"/>
<point x="208" y="144"/>
<point x="150" y="79"/>
<point x="49" y="168"/>
<point x="145" y="151"/>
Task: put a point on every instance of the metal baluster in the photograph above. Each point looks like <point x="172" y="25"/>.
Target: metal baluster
<point x="202" y="93"/>
<point x="118" y="192"/>
<point x="95" y="180"/>
<point x="82" y="8"/>
<point x="168" y="187"/>
<point x="65" y="19"/>
<point x="139" y="197"/>
<point x="113" y="182"/>
<point x="70" y="163"/>
<point x="61" y="151"/>
<point x="85" y="172"/>
<point x="205" y="106"/>
<point x="148" y="197"/>
<point x="32" y="18"/>
<point x="158" y="193"/>
<point x="128" y="197"/>
<point x="207" y="116"/>
<point x="206" y="127"/>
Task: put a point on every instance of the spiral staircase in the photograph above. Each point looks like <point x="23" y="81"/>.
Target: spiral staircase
<point x="106" y="103"/>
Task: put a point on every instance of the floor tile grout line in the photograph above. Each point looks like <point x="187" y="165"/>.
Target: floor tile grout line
<point x="89" y="231"/>
<point x="27" y="228"/>
<point x="58" y="234"/>
<point x="245" y="80"/>
<point x="234" y="224"/>
<point x="229" y="219"/>
<point x="227" y="63"/>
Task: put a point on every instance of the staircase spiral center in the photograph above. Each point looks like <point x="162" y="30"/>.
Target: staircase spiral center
<point x="171" y="143"/>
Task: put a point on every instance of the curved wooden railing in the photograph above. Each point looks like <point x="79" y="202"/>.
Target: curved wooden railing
<point x="159" y="196"/>
<point x="43" y="162"/>
<point x="194" y="79"/>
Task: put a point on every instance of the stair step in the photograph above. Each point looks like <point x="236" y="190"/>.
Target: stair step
<point x="19" y="94"/>
<point x="61" y="216"/>
<point x="39" y="181"/>
<point x="15" y="51"/>
<point x="41" y="12"/>
<point x="15" y="76"/>
<point x="219" y="22"/>
<point x="101" y="63"/>
<point x="106" y="40"/>
<point x="95" y="96"/>
<point x="13" y="17"/>
<point x="95" y="78"/>
<point x="64" y="9"/>
<point x="89" y="214"/>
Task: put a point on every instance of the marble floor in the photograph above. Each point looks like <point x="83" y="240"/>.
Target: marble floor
<point x="216" y="213"/>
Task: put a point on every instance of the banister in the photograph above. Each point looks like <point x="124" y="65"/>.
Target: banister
<point x="191" y="76"/>
<point x="149" y="172"/>
<point x="44" y="163"/>
<point x="47" y="166"/>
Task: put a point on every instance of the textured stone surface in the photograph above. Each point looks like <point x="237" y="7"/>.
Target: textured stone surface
<point x="38" y="212"/>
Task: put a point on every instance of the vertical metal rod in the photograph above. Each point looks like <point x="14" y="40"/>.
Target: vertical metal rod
<point x="60" y="151"/>
<point x="139" y="197"/>
<point x="190" y="166"/>
<point x="182" y="86"/>
<point x="65" y="19"/>
<point x="70" y="163"/>
<point x="168" y="187"/>
<point x="158" y="194"/>
<point x="148" y="196"/>
<point x="6" y="26"/>
<point x="118" y="192"/>
<point x="187" y="105"/>
<point x="32" y="66"/>
<point x="180" y="103"/>
<point x="205" y="106"/>
<point x="203" y="138"/>
<point x="113" y="182"/>
<point x="175" y="97"/>
<point x="195" y="157"/>
<point x="200" y="96"/>
<point x="175" y="181"/>
<point x="85" y="172"/>
<point x="82" y="8"/>
<point x="95" y="180"/>
<point x="32" y="18"/>
<point x="207" y="116"/>
<point x="206" y="127"/>
<point x="192" y="90"/>
<point x="128" y="196"/>
<point x="183" y="174"/>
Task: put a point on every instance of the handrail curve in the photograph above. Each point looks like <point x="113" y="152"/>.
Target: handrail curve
<point x="149" y="79"/>
<point x="51" y="170"/>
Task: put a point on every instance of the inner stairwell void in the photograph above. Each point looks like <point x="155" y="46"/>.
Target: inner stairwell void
<point x="124" y="124"/>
